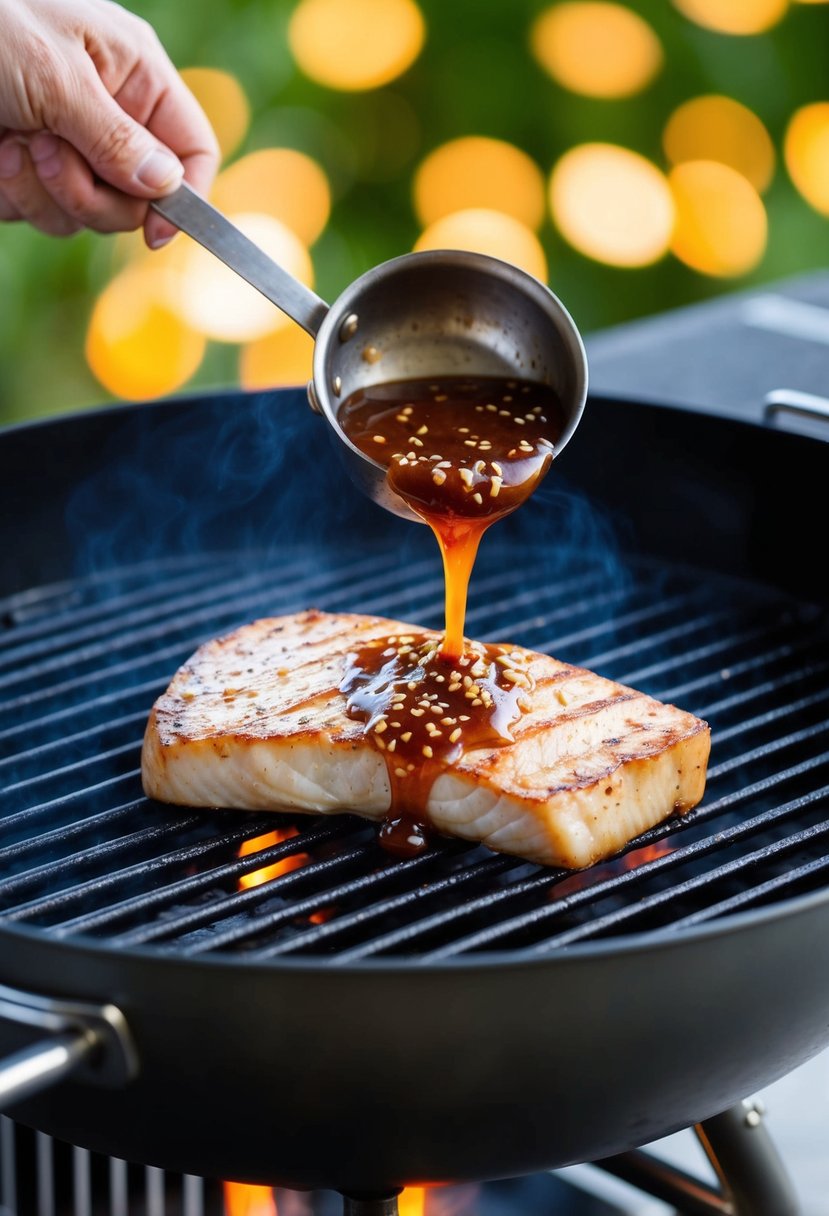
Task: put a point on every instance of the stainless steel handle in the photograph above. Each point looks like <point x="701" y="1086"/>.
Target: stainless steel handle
<point x="792" y="404"/>
<point x="189" y="212"/>
<point x="90" y="1042"/>
<point x="43" y="1064"/>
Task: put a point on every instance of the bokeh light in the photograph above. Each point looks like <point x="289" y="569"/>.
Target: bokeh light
<point x="220" y="304"/>
<point x="478" y="172"/>
<point x="721" y="225"/>
<point x="484" y="231"/>
<point x="612" y="204"/>
<point x="277" y="360"/>
<point x="279" y="182"/>
<point x="806" y="150"/>
<point x="734" y="16"/>
<point x="599" y="49"/>
<point x="718" y="128"/>
<point x="137" y="345"/>
<point x="356" y="44"/>
<point x="224" y="102"/>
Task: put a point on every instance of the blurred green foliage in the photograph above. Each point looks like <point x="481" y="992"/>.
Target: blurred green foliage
<point x="474" y="76"/>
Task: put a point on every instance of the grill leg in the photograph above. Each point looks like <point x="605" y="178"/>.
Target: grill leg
<point x="370" y="1205"/>
<point x="744" y="1155"/>
<point x="753" y="1179"/>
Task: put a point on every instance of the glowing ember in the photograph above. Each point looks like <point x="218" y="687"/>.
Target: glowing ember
<point x="244" y="1200"/>
<point x="284" y="866"/>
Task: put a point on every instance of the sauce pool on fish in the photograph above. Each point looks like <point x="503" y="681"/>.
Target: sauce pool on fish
<point x="462" y="452"/>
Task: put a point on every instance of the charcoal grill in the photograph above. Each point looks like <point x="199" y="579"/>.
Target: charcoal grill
<point x="359" y="1022"/>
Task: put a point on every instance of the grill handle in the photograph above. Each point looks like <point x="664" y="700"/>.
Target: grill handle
<point x="88" y="1042"/>
<point x="189" y="212"/>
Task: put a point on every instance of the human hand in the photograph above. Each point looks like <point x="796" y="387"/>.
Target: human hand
<point x="94" y="120"/>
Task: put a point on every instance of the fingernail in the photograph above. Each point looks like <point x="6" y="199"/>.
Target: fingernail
<point x="44" y="150"/>
<point x="11" y="158"/>
<point x="159" y="169"/>
<point x="43" y="146"/>
<point x="158" y="242"/>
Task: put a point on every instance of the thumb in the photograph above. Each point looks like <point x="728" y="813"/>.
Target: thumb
<point x="116" y="147"/>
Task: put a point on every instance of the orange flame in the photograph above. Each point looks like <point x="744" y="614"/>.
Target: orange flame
<point x="278" y="868"/>
<point x="412" y="1201"/>
<point x="244" y="1200"/>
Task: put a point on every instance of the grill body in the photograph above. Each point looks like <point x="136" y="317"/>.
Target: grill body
<point x="472" y="1018"/>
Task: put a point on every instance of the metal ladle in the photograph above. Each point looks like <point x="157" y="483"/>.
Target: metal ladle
<point x="443" y="312"/>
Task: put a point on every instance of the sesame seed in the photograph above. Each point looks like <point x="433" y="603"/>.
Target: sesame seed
<point x="469" y="443"/>
<point x="416" y="441"/>
<point x="400" y="772"/>
<point x="463" y="717"/>
<point x="495" y="486"/>
<point x="463" y="430"/>
<point x="529" y="417"/>
<point x="402" y="462"/>
<point x="423" y="430"/>
<point x="441" y="397"/>
<point x="381" y="725"/>
<point x="380" y="744"/>
<point x="466" y="477"/>
<point x="392" y="745"/>
<point x="456" y="734"/>
<point x="401" y="418"/>
<point x="504" y="414"/>
<point x="477" y="498"/>
<point x="397" y="725"/>
<point x="477" y="701"/>
<point x="406" y="736"/>
<point x="379" y="438"/>
<point x="493" y="409"/>
<point x="438" y="477"/>
<point x="427" y="751"/>
<point x="444" y="464"/>
<point x="407" y="409"/>
<point x="479" y="409"/>
<point x="496" y="468"/>
<point x="411" y="685"/>
<point x="417" y="713"/>
<point x="479" y="466"/>
<point x="506" y="397"/>
<point x="511" y="452"/>
<point x="519" y="421"/>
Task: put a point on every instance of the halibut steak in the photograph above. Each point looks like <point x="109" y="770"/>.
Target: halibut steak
<point x="255" y="720"/>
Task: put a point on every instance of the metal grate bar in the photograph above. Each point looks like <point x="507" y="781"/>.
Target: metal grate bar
<point x="241" y="828"/>
<point x="772" y="716"/>
<point x="725" y="645"/>
<point x="544" y="883"/>
<point x="108" y="615"/>
<point x="174" y="892"/>
<point x="744" y="667"/>
<point x="638" y="617"/>
<point x="647" y="904"/>
<point x="238" y="902"/>
<point x="94" y="853"/>
<point x="776" y="686"/>
<point x="765" y="750"/>
<point x="76" y="712"/>
<point x="28" y="818"/>
<point x="747" y="899"/>
<point x="362" y="917"/>
<point x="41" y="750"/>
<point x="208" y="617"/>
<point x="616" y="882"/>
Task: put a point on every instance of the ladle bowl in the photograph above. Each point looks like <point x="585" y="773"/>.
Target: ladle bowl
<point x="422" y="315"/>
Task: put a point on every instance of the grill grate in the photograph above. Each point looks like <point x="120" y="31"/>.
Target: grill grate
<point x="83" y="853"/>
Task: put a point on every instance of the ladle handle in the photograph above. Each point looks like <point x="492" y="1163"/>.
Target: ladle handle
<point x="189" y="212"/>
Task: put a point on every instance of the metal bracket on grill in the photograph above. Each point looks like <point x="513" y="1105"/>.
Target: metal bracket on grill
<point x="90" y="1042"/>
<point x="753" y="1179"/>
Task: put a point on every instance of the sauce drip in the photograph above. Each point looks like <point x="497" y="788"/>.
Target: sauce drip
<point x="462" y="452"/>
<point x="423" y="712"/>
